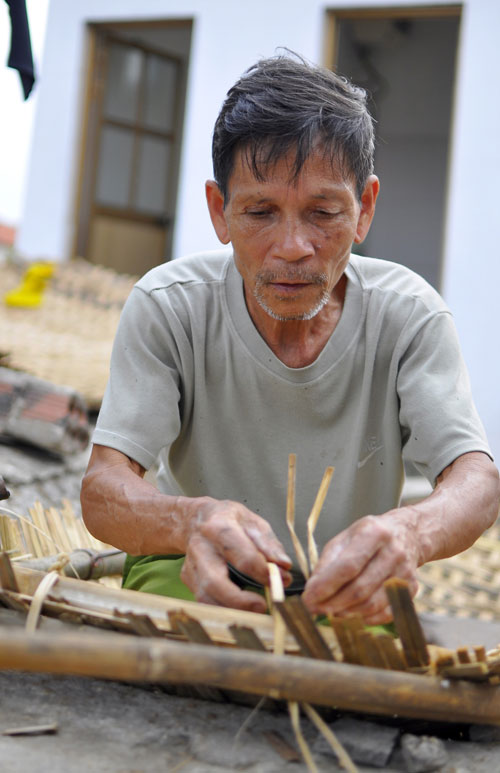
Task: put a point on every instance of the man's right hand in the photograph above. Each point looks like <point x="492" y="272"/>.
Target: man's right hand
<point x="121" y="508"/>
<point x="222" y="532"/>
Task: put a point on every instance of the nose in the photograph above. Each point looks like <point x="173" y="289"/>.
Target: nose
<point x="292" y="240"/>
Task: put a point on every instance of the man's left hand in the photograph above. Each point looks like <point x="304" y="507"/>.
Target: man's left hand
<point x="354" y="565"/>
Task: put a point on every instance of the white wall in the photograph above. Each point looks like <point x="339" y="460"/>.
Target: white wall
<point x="227" y="37"/>
<point x="17" y="115"/>
<point x="472" y="253"/>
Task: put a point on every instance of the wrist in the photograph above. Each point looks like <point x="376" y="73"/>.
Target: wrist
<point x="191" y="513"/>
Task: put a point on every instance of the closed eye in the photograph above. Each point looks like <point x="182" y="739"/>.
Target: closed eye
<point x="325" y="213"/>
<point x="259" y="212"/>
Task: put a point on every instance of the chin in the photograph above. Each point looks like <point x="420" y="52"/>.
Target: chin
<point x="288" y="315"/>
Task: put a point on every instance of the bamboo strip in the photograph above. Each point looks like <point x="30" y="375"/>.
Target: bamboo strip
<point x="143" y="625"/>
<point x="57" y="527"/>
<point x="47" y="729"/>
<point x="36" y="539"/>
<point x="8" y="580"/>
<point x="345" y="629"/>
<point x="69" y="521"/>
<point x="301" y="625"/>
<point x="17" y="536"/>
<point x="290" y="516"/>
<point x="47" y="544"/>
<point x="463" y="655"/>
<point x="474" y="671"/>
<point x="191" y="628"/>
<point x="391" y="653"/>
<point x="480" y="653"/>
<point x="368" y="651"/>
<point x="6" y="542"/>
<point x="407" y="623"/>
<point x="246" y="638"/>
<point x="312" y="521"/>
<point x="99" y="619"/>
<point x="28" y="538"/>
<point x="277" y="596"/>
<point x="38" y="599"/>
<point x="327" y="733"/>
<point x="293" y="709"/>
<point x="84" y="536"/>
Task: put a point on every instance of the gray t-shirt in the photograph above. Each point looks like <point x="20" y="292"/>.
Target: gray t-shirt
<point x="193" y="384"/>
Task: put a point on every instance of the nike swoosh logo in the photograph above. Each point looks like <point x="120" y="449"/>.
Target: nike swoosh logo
<point x="362" y="462"/>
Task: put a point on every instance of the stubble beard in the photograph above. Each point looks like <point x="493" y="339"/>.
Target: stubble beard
<point x="264" y="277"/>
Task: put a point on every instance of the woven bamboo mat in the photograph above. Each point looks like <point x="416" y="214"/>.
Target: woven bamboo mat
<point x="68" y="339"/>
<point x="466" y="585"/>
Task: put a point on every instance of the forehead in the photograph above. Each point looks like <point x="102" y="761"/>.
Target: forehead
<point x="320" y="174"/>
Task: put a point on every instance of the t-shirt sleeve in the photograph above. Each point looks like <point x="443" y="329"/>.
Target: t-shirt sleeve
<point x="438" y="417"/>
<point x="140" y="412"/>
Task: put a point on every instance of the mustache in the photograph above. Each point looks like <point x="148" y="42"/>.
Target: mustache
<point x="297" y="275"/>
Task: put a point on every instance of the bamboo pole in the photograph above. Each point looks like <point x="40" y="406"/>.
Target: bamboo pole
<point x="338" y="685"/>
<point x="95" y="597"/>
<point x="88" y="566"/>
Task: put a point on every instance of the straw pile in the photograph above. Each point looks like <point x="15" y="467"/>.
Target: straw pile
<point x="68" y="339"/>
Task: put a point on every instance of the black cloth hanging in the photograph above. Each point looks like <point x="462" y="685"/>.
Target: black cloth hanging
<point x="21" y="57"/>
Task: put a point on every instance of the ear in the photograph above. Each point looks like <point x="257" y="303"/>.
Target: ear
<point x="215" y="201"/>
<point x="368" y="201"/>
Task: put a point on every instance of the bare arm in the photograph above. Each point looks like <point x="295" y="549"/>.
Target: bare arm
<point x="354" y="565"/>
<point x="123" y="509"/>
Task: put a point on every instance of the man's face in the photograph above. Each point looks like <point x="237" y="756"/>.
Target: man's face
<point x="291" y="239"/>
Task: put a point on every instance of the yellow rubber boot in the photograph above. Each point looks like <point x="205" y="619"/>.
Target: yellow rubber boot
<point x="29" y="293"/>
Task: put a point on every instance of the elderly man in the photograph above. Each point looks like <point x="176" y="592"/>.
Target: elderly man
<point x="224" y="362"/>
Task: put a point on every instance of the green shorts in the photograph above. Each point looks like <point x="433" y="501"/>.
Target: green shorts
<point x="156" y="574"/>
<point x="161" y="575"/>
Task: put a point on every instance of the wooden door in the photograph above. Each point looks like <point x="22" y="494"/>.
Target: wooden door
<point x="131" y="159"/>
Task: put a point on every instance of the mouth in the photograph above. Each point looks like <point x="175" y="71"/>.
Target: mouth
<point x="289" y="287"/>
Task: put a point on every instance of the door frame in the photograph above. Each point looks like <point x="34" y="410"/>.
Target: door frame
<point x="94" y="85"/>
<point x="330" y="50"/>
<point x="330" y="45"/>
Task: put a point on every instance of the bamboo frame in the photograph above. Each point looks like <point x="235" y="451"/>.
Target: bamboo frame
<point x="100" y="601"/>
<point x="339" y="685"/>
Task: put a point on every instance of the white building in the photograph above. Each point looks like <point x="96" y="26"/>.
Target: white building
<point x="129" y="91"/>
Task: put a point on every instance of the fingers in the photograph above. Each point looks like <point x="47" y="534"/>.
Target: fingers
<point x="205" y="572"/>
<point x="344" y="558"/>
<point x="353" y="568"/>
<point x="227" y="532"/>
<point x="243" y="539"/>
<point x="267" y="542"/>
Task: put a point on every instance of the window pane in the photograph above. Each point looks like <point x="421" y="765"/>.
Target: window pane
<point x="152" y="179"/>
<point x="161" y="78"/>
<point x="122" y="83"/>
<point x="115" y="166"/>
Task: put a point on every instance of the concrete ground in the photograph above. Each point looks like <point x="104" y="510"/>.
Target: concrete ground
<point x="109" y="727"/>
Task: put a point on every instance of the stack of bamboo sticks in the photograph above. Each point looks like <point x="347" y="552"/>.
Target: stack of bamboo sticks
<point x="57" y="539"/>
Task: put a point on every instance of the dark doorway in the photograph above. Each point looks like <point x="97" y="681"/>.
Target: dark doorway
<point x="406" y="60"/>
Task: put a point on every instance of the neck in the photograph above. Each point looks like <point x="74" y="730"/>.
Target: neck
<point x="299" y="342"/>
